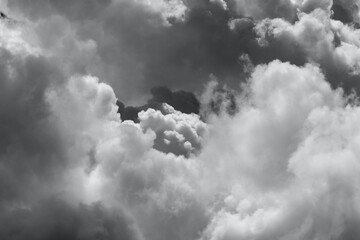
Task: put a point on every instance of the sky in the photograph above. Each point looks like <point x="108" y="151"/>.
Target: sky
<point x="179" y="119"/>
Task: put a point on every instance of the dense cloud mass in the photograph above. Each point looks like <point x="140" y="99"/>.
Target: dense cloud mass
<point x="183" y="120"/>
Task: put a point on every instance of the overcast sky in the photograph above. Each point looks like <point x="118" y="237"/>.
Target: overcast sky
<point x="179" y="119"/>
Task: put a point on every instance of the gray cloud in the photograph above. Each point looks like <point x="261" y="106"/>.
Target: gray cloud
<point x="54" y="219"/>
<point x="341" y="14"/>
<point x="261" y="9"/>
<point x="182" y="101"/>
<point x="74" y="10"/>
<point x="26" y="129"/>
<point x="134" y="45"/>
<point x="346" y="11"/>
<point x="315" y="38"/>
<point x="267" y="149"/>
<point x="136" y="48"/>
<point x="35" y="164"/>
<point x="218" y="99"/>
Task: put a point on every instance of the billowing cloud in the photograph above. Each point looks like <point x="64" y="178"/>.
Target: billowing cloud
<point x="176" y="132"/>
<point x="137" y="44"/>
<point x="40" y="173"/>
<point x="316" y="38"/>
<point x="276" y="182"/>
<point x="254" y="134"/>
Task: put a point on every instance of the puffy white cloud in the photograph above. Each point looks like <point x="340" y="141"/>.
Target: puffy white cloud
<point x="286" y="164"/>
<point x="128" y="165"/>
<point x="331" y="44"/>
<point x="173" y="9"/>
<point x="176" y="132"/>
<point x="281" y="164"/>
<point x="50" y="128"/>
<point x="310" y="5"/>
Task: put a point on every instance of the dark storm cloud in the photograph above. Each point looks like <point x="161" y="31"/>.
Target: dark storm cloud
<point x="139" y="45"/>
<point x="139" y="50"/>
<point x="341" y="14"/>
<point x="180" y="56"/>
<point x="182" y="101"/>
<point x="347" y="11"/>
<point x="29" y="146"/>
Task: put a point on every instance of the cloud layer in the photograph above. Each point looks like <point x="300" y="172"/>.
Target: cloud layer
<point x="254" y="134"/>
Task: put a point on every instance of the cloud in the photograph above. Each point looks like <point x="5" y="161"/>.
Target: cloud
<point x="276" y="181"/>
<point x="316" y="38"/>
<point x="139" y="167"/>
<point x="176" y="132"/>
<point x="284" y="9"/>
<point x="55" y="219"/>
<point x="261" y="9"/>
<point x="346" y="11"/>
<point x="136" y="45"/>
<point x="272" y="179"/>
<point x="275" y="157"/>
<point x="185" y="102"/>
<point x="218" y="99"/>
<point x="45" y="145"/>
<point x="26" y="127"/>
<point x="75" y="10"/>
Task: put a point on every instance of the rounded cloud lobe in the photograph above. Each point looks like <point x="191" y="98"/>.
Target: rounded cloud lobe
<point x="276" y="158"/>
<point x="331" y="44"/>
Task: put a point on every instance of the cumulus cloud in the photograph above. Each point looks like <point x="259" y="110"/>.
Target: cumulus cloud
<point x="273" y="186"/>
<point x="316" y="38"/>
<point x="64" y="148"/>
<point x="41" y="175"/>
<point x="176" y="132"/>
<point x="185" y="102"/>
<point x="262" y="143"/>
